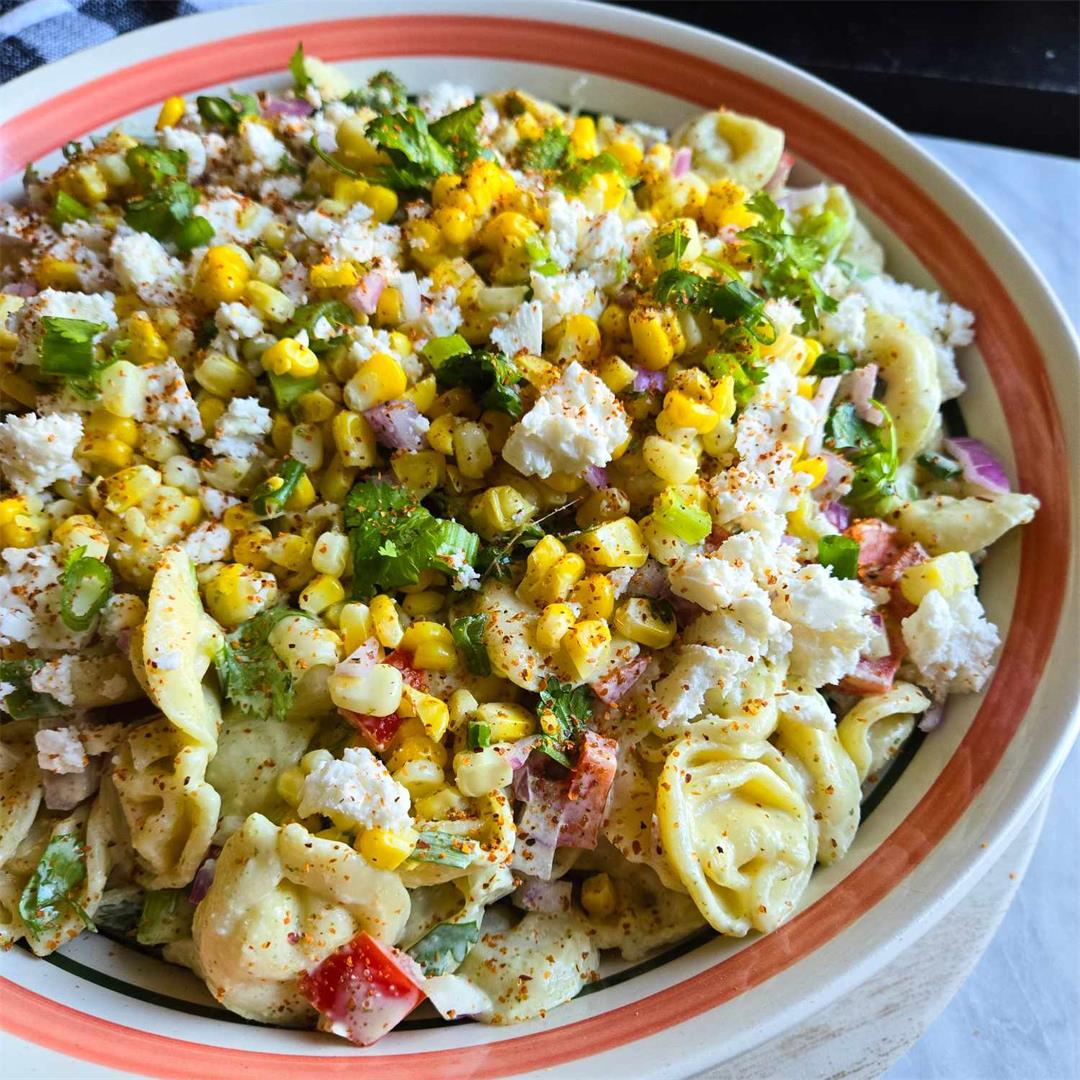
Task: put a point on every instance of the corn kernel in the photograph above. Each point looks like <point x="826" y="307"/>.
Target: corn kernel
<point x="386" y="622"/>
<point x="507" y="722"/>
<point x="53" y="273"/>
<point x="651" y="343"/>
<point x="583" y="137"/>
<point x="947" y="574"/>
<point x="499" y="510"/>
<point x="386" y="849"/>
<point x="320" y="593"/>
<point x="269" y="302"/>
<point x="420" y="778"/>
<point x="471" y="450"/>
<point x="616" y="374"/>
<point x="222" y="276"/>
<point x="172" y="110"/>
<point x="672" y="463"/>
<point x="223" y="377"/>
<point x="290" y="357"/>
<point x="290" y="784"/>
<point x="598" y="896"/>
<point x="238" y="593"/>
<point x="684" y="412"/>
<point x="378" y="379"/>
<point x="628" y="154"/>
<point x="289" y="551"/>
<point x="480" y="772"/>
<point x="815" y="467"/>
<point x="613" y="544"/>
<point x="333" y="275"/>
<point x="249" y="548"/>
<point x="585" y="645"/>
<point x="595" y="595"/>
<point x="640" y="620"/>
<point x="22" y="522"/>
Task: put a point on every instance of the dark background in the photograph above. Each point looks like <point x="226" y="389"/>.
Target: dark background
<point x="1005" y="73"/>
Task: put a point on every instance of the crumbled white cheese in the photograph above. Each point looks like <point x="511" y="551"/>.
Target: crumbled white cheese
<point x="577" y="422"/>
<point x="30" y="599"/>
<point x="238" y="321"/>
<point x="207" y="543"/>
<point x="566" y="294"/>
<point x="608" y="247"/>
<point x="566" y="217"/>
<point x="845" y="328"/>
<point x="54" y="678"/>
<point x="240" y="428"/>
<point x="261" y="144"/>
<point x="357" y="787"/>
<point x="711" y="581"/>
<point x="60" y="750"/>
<point x="29" y="329"/>
<point x="36" y="451"/>
<point x="521" y="331"/>
<point x="680" y="695"/>
<point x="168" y="400"/>
<point x="439" y="311"/>
<point x="830" y="623"/>
<point x="144" y="267"/>
<point x="174" y="138"/>
<point x="236" y="218"/>
<point x="445" y="97"/>
<point x="215" y="502"/>
<point x="951" y="642"/>
<point x="317" y="226"/>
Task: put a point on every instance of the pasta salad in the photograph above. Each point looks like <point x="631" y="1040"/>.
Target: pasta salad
<point x="447" y="538"/>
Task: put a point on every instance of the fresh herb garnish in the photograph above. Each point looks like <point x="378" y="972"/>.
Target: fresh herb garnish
<point x="670" y="245"/>
<point x="564" y="710"/>
<point x="71" y="150"/>
<point x="785" y="262"/>
<point x="547" y="152"/>
<point x="85" y="588"/>
<point x="459" y="133"/>
<point x="297" y="69"/>
<point x="491" y="376"/>
<point x="833" y="363"/>
<point x="730" y="301"/>
<point x="253" y="677"/>
<point x="333" y="162"/>
<point x="61" y="869"/>
<point x="745" y="377"/>
<point x="872" y="450"/>
<point x="23" y="702"/>
<point x="166" y="201"/>
<point x="577" y="176"/>
<point x="468" y="632"/>
<point x="417" y="157"/>
<point x="67" y="346"/>
<point x="445" y="848"/>
<point x="336" y="313"/>
<point x="939" y="465"/>
<point x="841" y="553"/>
<point x="384" y="92"/>
<point x="443" y="948"/>
<point x="269" y="498"/>
<point x="216" y="110"/>
<point x="377" y="513"/>
<point x="166" y="916"/>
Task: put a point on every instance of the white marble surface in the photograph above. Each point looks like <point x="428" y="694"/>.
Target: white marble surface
<point x="1018" y="1016"/>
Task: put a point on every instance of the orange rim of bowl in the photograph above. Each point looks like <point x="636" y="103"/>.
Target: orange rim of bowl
<point x="1010" y="353"/>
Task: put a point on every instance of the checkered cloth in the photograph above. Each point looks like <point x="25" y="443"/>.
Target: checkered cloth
<point x="33" y="32"/>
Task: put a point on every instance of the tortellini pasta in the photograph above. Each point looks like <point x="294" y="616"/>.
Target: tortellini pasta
<point x="281" y="901"/>
<point x="171" y="810"/>
<point x="553" y="954"/>
<point x="20" y="787"/>
<point x="179" y="641"/>
<point x="736" y="828"/>
<point x="943" y="523"/>
<point x="510" y="637"/>
<point x="729" y="145"/>
<point x="874" y="729"/>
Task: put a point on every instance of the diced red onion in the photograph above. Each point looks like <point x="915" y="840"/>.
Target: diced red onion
<point x="646" y="380"/>
<point x="20" y="288"/>
<point x="620" y="680"/>
<point x="781" y="173"/>
<point x="364" y="656"/>
<point x="365" y="296"/>
<point x="838" y="515"/>
<point x="686" y="611"/>
<point x="64" y="791"/>
<point x="981" y="468"/>
<point x="860" y="388"/>
<point x="871" y="676"/>
<point x="932" y="717"/>
<point x="277" y="106"/>
<point x="596" y="477"/>
<point x="537" y="837"/>
<point x="536" y="894"/>
<point x="204" y="876"/>
<point x="820" y="403"/>
<point x="519" y="752"/>
<point x="680" y="163"/>
<point x="650" y="579"/>
<point x="411" y="300"/>
<point x="398" y="424"/>
<point x="838" y="475"/>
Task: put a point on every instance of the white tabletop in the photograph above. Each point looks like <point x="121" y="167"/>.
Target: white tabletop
<point x="1018" y="1016"/>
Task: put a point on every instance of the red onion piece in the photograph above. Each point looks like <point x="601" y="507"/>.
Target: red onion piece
<point x="538" y="834"/>
<point x="838" y="515"/>
<point x="820" y="403"/>
<point x="596" y="477"/>
<point x="781" y="173"/>
<point x="64" y="791"/>
<point x="680" y="163"/>
<point x="619" y="681"/>
<point x="981" y="468"/>
<point x="535" y="894"/>
<point x="871" y="676"/>
<point x="277" y="106"/>
<point x="838" y="475"/>
<point x="686" y="611"/>
<point x="365" y="296"/>
<point x="519" y="753"/>
<point x="646" y="380"/>
<point x="650" y="579"/>
<point x="398" y="425"/>
<point x="933" y="716"/>
<point x="860" y="388"/>
<point x="20" y="288"/>
<point x="204" y="876"/>
<point x="411" y="300"/>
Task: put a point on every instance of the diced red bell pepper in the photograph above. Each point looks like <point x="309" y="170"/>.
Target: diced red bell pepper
<point x="378" y="730"/>
<point x="403" y="662"/>
<point x="363" y="989"/>
<point x="619" y="680"/>
<point x="586" y="800"/>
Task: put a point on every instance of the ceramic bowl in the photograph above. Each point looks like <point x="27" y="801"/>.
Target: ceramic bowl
<point x="962" y="792"/>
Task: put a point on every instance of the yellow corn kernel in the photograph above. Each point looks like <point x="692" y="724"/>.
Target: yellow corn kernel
<point x="683" y="411"/>
<point x="222" y="276"/>
<point x="725" y="206"/>
<point x="125" y="429"/>
<point x="471" y="450"/>
<point x="628" y="154"/>
<point x="281" y="433"/>
<point x="432" y="713"/>
<point x="172" y="109"/>
<point x="420" y="778"/>
<point x="303" y="495"/>
<point x="639" y="620"/>
<point x="423" y="394"/>
<point x="238" y="593"/>
<point x="336" y="481"/>
<point x="320" y="593"/>
<point x="583" y="137"/>
<point x="615" y="324"/>
<point x="499" y="510"/>
<point x="269" y="302"/>
<point x="238" y="518"/>
<point x="421" y="471"/>
<point x="427" y="602"/>
<point x="480" y="772"/>
<point x="455" y="225"/>
<point x="249" y="548"/>
<point x="422" y="633"/>
<point x="723" y="397"/>
<point x="354" y="439"/>
<point x="378" y="379"/>
<point x="211" y="410"/>
<point x="130" y="487"/>
<point x="580" y="340"/>
<point x="815" y="467"/>
<point x="672" y="463"/>
<point x="333" y="275"/>
<point x="544" y="555"/>
<point x="506" y="721"/>
<point x="376" y="691"/>
<point x="105" y="454"/>
<point x="383" y="202"/>
<point x="616" y="374"/>
<point x="808" y="355"/>
<point x="551" y="627"/>
<point x="82" y="531"/>
<point x="88" y="185"/>
<point x="441" y="435"/>
<point x="652" y="346"/>
<point x="386" y="849"/>
<point x="585" y="645"/>
<point x="315" y="407"/>
<point x="331" y="553"/>
<point x="947" y="574"/>
<point x="595" y="595"/>
<point x="53" y="273"/>
<point x="598" y="896"/>
<point x="290" y="357"/>
<point x="390" y="308"/>
<point x="443" y="804"/>
<point x="290" y="551"/>
<point x="613" y="544"/>
<point x="147" y="345"/>
<point x="559" y="580"/>
<point x="486" y="182"/>
<point x="290" y="784"/>
<point x="22" y="522"/>
<point x="223" y="377"/>
<point x="355" y="625"/>
<point x="806" y="388"/>
<point x="386" y="622"/>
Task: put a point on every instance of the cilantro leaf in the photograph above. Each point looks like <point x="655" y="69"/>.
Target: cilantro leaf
<point x="468" y="632"/>
<point x="297" y="69"/>
<point x="67" y="346"/>
<point x="459" y="132"/>
<point x="443" y="948"/>
<point x="332" y="161"/>
<point x="846" y="430"/>
<point x="576" y="177"/>
<point x="384" y="92"/>
<point x="382" y="518"/>
<point x="730" y="301"/>
<point x="417" y="157"/>
<point x="841" y="553"/>
<point x="671" y="244"/>
<point x="745" y="376"/>
<point x="872" y="450"/>
<point x="564" y="710"/>
<point x="61" y="868"/>
<point x="547" y="152"/>
<point x="492" y="377"/>
<point x="23" y="702"/>
<point x="337" y="313"/>
<point x="166" y="201"/>
<point x="785" y="262"/>
<point x="252" y="675"/>
<point x="217" y="110"/>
